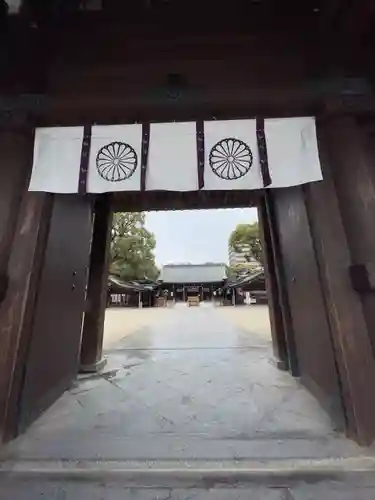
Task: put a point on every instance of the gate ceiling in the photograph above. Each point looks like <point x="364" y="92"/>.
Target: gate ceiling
<point x="330" y="37"/>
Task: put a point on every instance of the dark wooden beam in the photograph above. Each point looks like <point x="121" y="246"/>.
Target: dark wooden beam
<point x="358" y="19"/>
<point x="154" y="200"/>
<point x="347" y="20"/>
<point x="330" y="15"/>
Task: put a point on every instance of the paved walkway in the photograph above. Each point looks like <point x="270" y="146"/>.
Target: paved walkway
<point x="188" y="400"/>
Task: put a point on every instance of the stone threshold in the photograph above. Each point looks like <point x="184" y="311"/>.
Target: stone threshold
<point x="164" y="473"/>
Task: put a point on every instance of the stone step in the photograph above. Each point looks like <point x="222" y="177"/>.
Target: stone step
<point x="105" y="446"/>
<point x="195" y="473"/>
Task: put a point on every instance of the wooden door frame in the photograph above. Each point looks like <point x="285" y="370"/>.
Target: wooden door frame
<point x="283" y="341"/>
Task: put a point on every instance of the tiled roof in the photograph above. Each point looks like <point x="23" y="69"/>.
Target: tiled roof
<point x="119" y="286"/>
<point x="193" y="273"/>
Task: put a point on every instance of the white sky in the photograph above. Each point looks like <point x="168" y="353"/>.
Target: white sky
<point x="195" y="236"/>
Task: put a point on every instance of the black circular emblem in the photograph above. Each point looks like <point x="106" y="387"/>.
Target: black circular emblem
<point x="116" y="162"/>
<point x="230" y="159"/>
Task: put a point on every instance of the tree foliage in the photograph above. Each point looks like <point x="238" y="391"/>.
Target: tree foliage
<point x="239" y="269"/>
<point x="247" y="234"/>
<point x="132" y="247"/>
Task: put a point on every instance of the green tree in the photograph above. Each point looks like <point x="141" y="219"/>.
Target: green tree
<point x="132" y="247"/>
<point x="247" y="234"/>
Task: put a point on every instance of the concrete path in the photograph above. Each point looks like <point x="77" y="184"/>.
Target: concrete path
<point x="189" y="400"/>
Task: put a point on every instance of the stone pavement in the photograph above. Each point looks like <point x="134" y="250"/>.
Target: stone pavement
<point x="24" y="490"/>
<point x="190" y="402"/>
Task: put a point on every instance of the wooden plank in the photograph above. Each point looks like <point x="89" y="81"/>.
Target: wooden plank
<point x="315" y="349"/>
<point x="355" y="181"/>
<point x="54" y="340"/>
<point x="316" y="359"/>
<point x="33" y="265"/>
<point x="353" y="348"/>
<point x="19" y="226"/>
<point x="14" y="309"/>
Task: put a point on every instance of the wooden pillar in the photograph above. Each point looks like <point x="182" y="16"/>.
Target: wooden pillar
<point x="273" y="293"/>
<point x="341" y="152"/>
<point x="280" y="289"/>
<point x="93" y="324"/>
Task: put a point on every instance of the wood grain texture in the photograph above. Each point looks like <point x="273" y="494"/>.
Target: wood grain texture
<point x="345" y="310"/>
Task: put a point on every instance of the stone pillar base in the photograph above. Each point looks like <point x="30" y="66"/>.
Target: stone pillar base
<point x="94" y="367"/>
<point x="280" y="364"/>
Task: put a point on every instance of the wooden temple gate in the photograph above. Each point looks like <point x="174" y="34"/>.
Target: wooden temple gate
<point x="119" y="62"/>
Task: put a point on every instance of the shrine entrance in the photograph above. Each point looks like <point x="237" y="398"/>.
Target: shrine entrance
<point x="148" y="72"/>
<point x="69" y="271"/>
<point x="64" y="272"/>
